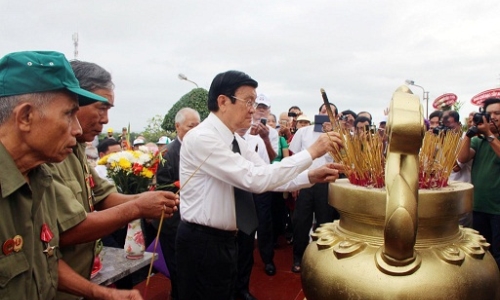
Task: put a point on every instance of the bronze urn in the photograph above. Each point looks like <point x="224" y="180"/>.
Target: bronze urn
<point x="399" y="242"/>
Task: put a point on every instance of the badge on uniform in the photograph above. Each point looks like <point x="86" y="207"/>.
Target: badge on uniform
<point x="46" y="236"/>
<point x="14" y="244"/>
<point x="18" y="243"/>
<point x="8" y="247"/>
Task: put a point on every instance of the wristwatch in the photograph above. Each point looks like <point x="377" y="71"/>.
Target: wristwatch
<point x="490" y="138"/>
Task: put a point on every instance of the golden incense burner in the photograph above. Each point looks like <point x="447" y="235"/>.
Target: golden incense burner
<point x="400" y="242"/>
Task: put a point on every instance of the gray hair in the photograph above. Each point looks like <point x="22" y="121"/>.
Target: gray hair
<point x="181" y="114"/>
<point x="39" y="100"/>
<point x="91" y="76"/>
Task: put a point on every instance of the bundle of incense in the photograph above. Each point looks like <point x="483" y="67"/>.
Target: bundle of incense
<point x="362" y="157"/>
<point x="437" y="157"/>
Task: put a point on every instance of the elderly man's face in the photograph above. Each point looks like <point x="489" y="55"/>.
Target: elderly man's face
<point x="93" y="117"/>
<point x="55" y="128"/>
<point x="191" y="120"/>
<point x="262" y="111"/>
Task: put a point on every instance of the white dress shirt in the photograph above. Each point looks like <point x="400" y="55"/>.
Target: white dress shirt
<point x="303" y="139"/>
<point x="208" y="197"/>
<point x="256" y="143"/>
<point x="463" y="174"/>
<point x="274" y="138"/>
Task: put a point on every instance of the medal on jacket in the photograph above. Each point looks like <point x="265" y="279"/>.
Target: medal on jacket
<point x="14" y="244"/>
<point x="89" y="183"/>
<point x="46" y="236"/>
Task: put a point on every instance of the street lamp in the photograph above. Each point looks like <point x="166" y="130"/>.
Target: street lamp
<point x="183" y="77"/>
<point x="425" y="95"/>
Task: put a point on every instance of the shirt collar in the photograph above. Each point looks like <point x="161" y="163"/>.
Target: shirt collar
<point x="11" y="178"/>
<point x="226" y="134"/>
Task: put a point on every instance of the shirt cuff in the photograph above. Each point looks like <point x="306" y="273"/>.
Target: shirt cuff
<point x="303" y="178"/>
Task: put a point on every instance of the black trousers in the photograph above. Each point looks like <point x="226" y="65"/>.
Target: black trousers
<point x="245" y="260"/>
<point x="279" y="213"/>
<point x="313" y="200"/>
<point x="488" y="226"/>
<point x="206" y="262"/>
<point x="263" y="205"/>
<point x="168" y="235"/>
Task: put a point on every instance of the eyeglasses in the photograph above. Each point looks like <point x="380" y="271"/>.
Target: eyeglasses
<point x="249" y="103"/>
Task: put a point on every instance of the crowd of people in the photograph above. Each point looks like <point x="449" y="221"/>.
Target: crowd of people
<point x="264" y="175"/>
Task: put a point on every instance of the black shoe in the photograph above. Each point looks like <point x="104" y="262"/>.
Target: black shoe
<point x="296" y="267"/>
<point x="245" y="296"/>
<point x="270" y="269"/>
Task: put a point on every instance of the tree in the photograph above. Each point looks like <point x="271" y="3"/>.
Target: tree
<point x="195" y="99"/>
<point x="154" y="131"/>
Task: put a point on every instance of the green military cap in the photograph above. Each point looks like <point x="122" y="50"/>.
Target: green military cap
<point x="29" y="72"/>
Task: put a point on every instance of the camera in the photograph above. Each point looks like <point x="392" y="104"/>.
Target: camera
<point x="263" y="121"/>
<point x="441" y="127"/>
<point x="478" y="117"/>
<point x="370" y="128"/>
<point x="292" y="114"/>
<point x="472" y="132"/>
<point x="344" y="118"/>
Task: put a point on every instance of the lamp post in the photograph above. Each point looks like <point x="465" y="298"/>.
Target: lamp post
<point x="424" y="94"/>
<point x="183" y="77"/>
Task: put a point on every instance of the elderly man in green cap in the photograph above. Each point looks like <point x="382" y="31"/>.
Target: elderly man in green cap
<point x="92" y="207"/>
<point x="39" y="100"/>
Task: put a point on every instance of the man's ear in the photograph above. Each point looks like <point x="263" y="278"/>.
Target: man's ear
<point x="223" y="102"/>
<point x="23" y="116"/>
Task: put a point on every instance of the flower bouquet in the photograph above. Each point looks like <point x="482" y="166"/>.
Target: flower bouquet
<point x="132" y="172"/>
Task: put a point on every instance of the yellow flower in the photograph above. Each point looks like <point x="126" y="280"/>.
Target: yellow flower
<point x="147" y="173"/>
<point x="103" y="160"/>
<point x="124" y="164"/>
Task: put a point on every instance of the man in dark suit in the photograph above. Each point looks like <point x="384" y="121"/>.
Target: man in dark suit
<point x="168" y="173"/>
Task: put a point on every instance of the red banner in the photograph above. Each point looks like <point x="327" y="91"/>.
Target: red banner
<point x="445" y="99"/>
<point x="479" y="98"/>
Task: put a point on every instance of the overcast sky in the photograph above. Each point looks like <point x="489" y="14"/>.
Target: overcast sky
<point x="360" y="52"/>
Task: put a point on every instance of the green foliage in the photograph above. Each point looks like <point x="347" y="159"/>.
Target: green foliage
<point x="153" y="130"/>
<point x="458" y="105"/>
<point x="195" y="99"/>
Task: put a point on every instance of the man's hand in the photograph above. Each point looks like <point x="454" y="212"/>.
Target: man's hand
<point x="151" y="204"/>
<point x="124" y="294"/>
<point x="484" y="127"/>
<point x="104" y="293"/>
<point x="327" y="173"/>
<point x="329" y="141"/>
<point x="260" y="129"/>
<point x="327" y="126"/>
<point x="285" y="131"/>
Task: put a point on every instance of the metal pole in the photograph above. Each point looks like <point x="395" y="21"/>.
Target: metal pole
<point x="427" y="105"/>
<point x="183" y="77"/>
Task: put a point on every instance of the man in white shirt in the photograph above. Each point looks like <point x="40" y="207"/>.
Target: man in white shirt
<point x="263" y="201"/>
<point x="209" y="172"/>
<point x="313" y="200"/>
<point x="246" y="241"/>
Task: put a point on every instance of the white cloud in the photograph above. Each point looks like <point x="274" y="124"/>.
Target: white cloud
<point x="359" y="51"/>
